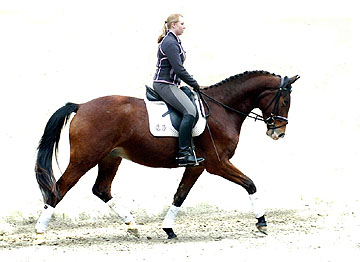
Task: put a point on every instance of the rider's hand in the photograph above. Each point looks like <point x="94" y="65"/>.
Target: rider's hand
<point x="196" y="88"/>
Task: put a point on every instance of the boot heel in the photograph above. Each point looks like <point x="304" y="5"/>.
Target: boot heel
<point x="188" y="158"/>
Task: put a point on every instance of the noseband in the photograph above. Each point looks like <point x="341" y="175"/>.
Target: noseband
<point x="269" y="121"/>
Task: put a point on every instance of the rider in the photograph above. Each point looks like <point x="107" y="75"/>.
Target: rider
<point x="169" y="72"/>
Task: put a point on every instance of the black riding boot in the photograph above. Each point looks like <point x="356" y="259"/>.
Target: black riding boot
<point x="186" y="155"/>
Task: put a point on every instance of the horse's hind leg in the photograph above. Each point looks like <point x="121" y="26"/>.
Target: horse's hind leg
<point x="189" y="178"/>
<point x="106" y="172"/>
<point x="107" y="169"/>
<point x="71" y="176"/>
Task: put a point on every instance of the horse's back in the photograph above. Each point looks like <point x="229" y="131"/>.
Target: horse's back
<point x="111" y="107"/>
<point x="108" y="116"/>
<point x="107" y="102"/>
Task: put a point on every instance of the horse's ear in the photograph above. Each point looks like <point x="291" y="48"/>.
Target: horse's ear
<point x="293" y="79"/>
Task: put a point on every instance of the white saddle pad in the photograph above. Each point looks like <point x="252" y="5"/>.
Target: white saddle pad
<point x="161" y="126"/>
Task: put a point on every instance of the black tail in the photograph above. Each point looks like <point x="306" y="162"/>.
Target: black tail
<point x="50" y="139"/>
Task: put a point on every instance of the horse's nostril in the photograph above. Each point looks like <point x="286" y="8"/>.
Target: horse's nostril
<point x="281" y="135"/>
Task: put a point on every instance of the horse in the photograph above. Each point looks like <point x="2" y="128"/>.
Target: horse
<point x="108" y="129"/>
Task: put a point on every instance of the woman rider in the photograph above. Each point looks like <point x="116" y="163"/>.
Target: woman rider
<point x="169" y="72"/>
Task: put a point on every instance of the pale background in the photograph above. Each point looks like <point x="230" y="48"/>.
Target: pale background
<point x="53" y="52"/>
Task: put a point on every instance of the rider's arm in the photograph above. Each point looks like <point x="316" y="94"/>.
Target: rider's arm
<point x="172" y="52"/>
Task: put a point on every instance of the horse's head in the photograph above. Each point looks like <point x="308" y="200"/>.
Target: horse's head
<point x="275" y="104"/>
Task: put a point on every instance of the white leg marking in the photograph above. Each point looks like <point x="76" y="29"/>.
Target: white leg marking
<point x="257" y="205"/>
<point x="121" y="211"/>
<point x="44" y="219"/>
<point x="170" y="217"/>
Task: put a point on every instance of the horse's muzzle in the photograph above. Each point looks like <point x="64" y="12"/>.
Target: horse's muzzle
<point x="276" y="133"/>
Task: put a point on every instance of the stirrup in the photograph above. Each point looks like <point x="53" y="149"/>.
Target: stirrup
<point x="184" y="161"/>
<point x="189" y="159"/>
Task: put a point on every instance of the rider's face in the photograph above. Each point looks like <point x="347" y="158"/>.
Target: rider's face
<point x="178" y="27"/>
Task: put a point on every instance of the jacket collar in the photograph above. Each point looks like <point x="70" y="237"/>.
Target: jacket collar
<point x="174" y="35"/>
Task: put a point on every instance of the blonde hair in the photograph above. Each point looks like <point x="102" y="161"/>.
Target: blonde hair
<point x="174" y="18"/>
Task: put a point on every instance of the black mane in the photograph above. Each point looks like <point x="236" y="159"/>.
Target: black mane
<point x="243" y="76"/>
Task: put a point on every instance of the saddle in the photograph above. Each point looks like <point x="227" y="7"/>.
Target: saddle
<point x="165" y="120"/>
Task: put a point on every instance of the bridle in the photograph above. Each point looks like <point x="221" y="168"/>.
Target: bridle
<point x="283" y="90"/>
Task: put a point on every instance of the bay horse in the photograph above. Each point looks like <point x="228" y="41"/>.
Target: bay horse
<point x="108" y="129"/>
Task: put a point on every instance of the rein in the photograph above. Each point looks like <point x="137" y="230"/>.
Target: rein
<point x="256" y="116"/>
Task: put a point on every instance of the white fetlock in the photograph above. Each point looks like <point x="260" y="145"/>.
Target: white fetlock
<point x="121" y="211"/>
<point x="257" y="205"/>
<point x="169" y="219"/>
<point x="44" y="219"/>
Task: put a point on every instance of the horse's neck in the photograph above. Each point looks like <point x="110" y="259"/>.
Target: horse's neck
<point x="240" y="95"/>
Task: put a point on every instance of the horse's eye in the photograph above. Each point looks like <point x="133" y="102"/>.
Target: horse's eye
<point x="285" y="102"/>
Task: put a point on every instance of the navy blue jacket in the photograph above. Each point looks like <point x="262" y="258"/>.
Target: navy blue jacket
<point x="169" y="67"/>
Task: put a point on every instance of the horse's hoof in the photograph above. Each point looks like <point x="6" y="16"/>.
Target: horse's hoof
<point x="40" y="239"/>
<point x="170" y="233"/>
<point x="262" y="228"/>
<point x="261" y="225"/>
<point x="133" y="230"/>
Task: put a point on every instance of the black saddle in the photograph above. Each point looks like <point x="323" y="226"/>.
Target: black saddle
<point x="175" y="115"/>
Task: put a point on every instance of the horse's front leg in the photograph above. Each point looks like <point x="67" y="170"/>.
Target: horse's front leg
<point x="189" y="178"/>
<point x="228" y="171"/>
